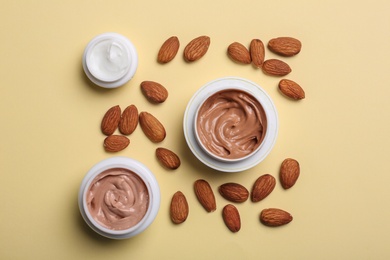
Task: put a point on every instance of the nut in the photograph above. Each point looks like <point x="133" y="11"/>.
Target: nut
<point x="234" y="192"/>
<point x="285" y="46"/>
<point x="196" y="48"/>
<point x="152" y="128"/>
<point x="275" y="217"/>
<point x="115" y="143"/>
<point x="257" y="52"/>
<point x="168" y="158"/>
<point x="289" y="173"/>
<point x="291" y="89"/>
<point x="205" y="195"/>
<point x="129" y="120"/>
<point x="111" y="120"/>
<point x="276" y="67"/>
<point x="231" y="217"/>
<point x="154" y="92"/>
<point x="239" y="53"/>
<point x="179" y="208"/>
<point x="262" y="187"/>
<point x="168" y="50"/>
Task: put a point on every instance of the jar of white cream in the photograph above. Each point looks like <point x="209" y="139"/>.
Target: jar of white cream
<point x="110" y="60"/>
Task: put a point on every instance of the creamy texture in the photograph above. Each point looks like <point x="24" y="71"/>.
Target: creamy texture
<point x="231" y="124"/>
<point x="117" y="199"/>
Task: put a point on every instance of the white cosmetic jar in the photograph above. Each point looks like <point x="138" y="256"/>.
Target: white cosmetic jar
<point x="220" y="163"/>
<point x="110" y="60"/>
<point x="143" y="173"/>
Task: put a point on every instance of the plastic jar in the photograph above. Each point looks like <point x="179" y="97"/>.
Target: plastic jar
<point x="110" y="60"/>
<point x="147" y="178"/>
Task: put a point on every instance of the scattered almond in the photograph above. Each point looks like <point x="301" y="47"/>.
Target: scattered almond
<point x="239" y="53"/>
<point x="276" y="67"/>
<point x="285" y="46"/>
<point x="234" y="192"/>
<point x="115" y="143"/>
<point x="196" y="48"/>
<point x="152" y="128"/>
<point x="179" y="208"/>
<point x="154" y="91"/>
<point x="205" y="195"/>
<point x="291" y="89"/>
<point x="111" y="120"/>
<point x="129" y="120"/>
<point x="168" y="158"/>
<point x="231" y="217"/>
<point x="275" y="217"/>
<point x="168" y="50"/>
<point x="262" y="187"/>
<point x="289" y="172"/>
<point x="257" y="52"/>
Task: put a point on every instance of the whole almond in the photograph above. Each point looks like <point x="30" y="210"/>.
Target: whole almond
<point x="262" y="187"/>
<point x="196" y="48"/>
<point x="291" y="89"/>
<point x="179" y="208"/>
<point x="111" y="120"/>
<point x="239" y="53"/>
<point x="152" y="128"/>
<point x="289" y="173"/>
<point x="168" y="158"/>
<point x="115" y="143"/>
<point x="276" y="67"/>
<point x="154" y="91"/>
<point x="129" y="120"/>
<point x="231" y="217"/>
<point x="205" y="195"/>
<point x="234" y="192"/>
<point x="257" y="52"/>
<point x="168" y="50"/>
<point x="285" y="46"/>
<point x="274" y="217"/>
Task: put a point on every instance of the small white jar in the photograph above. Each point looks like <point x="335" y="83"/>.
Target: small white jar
<point x="143" y="173"/>
<point x="110" y="60"/>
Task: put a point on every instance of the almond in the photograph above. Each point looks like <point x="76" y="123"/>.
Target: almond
<point x="168" y="158"/>
<point x="239" y="53"/>
<point x="231" y="217"/>
<point x="179" y="208"/>
<point x="262" y="187"/>
<point x="289" y="172"/>
<point x="257" y="52"/>
<point x="168" y="50"/>
<point x="205" y="195"/>
<point x="285" y="46"/>
<point x="152" y="128"/>
<point x="129" y="120"/>
<point x="111" y="120"/>
<point x="234" y="192"/>
<point x="291" y="89"/>
<point x="196" y="48"/>
<point x="154" y="92"/>
<point x="275" y="217"/>
<point x="276" y="67"/>
<point x="115" y="143"/>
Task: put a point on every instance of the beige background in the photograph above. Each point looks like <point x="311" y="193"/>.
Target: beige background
<point x="50" y="137"/>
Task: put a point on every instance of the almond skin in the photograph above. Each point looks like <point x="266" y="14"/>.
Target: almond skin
<point x="234" y="192"/>
<point x="115" y="143"/>
<point x="285" y="46"/>
<point x="196" y="48"/>
<point x="231" y="217"/>
<point x="154" y="91"/>
<point x="111" y="120"/>
<point x="276" y="67"/>
<point x="168" y="50"/>
<point x="291" y="89"/>
<point x="274" y="217"/>
<point x="129" y="120"/>
<point x="152" y="128"/>
<point x="289" y="172"/>
<point x="179" y="209"/>
<point x="262" y="187"/>
<point x="168" y="158"/>
<point x="257" y="52"/>
<point x="239" y="53"/>
<point x="205" y="195"/>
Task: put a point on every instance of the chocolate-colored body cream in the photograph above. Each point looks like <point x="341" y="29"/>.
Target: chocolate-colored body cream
<point x="231" y="124"/>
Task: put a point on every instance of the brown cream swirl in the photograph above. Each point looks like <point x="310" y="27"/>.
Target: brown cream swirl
<point x="231" y="124"/>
